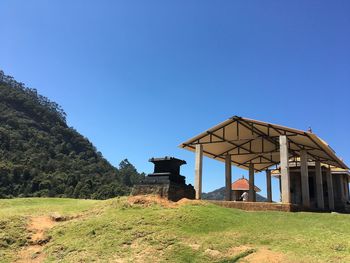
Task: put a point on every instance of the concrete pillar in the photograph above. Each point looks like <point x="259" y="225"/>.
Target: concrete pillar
<point x="198" y="171"/>
<point x="268" y="185"/>
<point x="304" y="179"/>
<point x="285" y="178"/>
<point x="228" y="178"/>
<point x="319" y="185"/>
<point x="330" y="189"/>
<point x="251" y="196"/>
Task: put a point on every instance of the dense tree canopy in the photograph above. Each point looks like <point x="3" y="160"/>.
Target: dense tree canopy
<point x="41" y="156"/>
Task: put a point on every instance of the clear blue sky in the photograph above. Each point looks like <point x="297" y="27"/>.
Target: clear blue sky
<point x="140" y="77"/>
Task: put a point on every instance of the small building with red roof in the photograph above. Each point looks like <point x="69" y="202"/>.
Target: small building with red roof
<point x="240" y="186"/>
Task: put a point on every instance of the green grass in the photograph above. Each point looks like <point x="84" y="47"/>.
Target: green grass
<point x="14" y="215"/>
<point x="112" y="230"/>
<point x="37" y="206"/>
<point x="12" y="236"/>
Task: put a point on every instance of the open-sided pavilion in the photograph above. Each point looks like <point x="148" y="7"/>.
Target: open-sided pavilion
<point x="260" y="146"/>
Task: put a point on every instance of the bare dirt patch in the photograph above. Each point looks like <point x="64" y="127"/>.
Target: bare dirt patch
<point x="194" y="246"/>
<point x="263" y="255"/>
<point x="148" y="200"/>
<point x="212" y="253"/>
<point x="30" y="254"/>
<point x="186" y="201"/>
<point x="260" y="255"/>
<point x="38" y="227"/>
<point x="237" y="250"/>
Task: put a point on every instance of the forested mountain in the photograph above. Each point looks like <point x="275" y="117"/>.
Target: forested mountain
<point x="41" y="156"/>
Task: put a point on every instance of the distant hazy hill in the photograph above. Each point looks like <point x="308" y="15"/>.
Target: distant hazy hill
<point x="41" y="156"/>
<point x="219" y="194"/>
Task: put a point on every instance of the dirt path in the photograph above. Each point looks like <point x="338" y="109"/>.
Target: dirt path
<point x="38" y="227"/>
<point x="264" y="255"/>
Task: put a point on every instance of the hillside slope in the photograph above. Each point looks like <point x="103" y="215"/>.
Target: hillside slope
<point x="41" y="156"/>
<point x="138" y="229"/>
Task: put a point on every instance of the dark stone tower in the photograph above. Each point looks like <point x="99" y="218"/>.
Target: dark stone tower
<point x="165" y="181"/>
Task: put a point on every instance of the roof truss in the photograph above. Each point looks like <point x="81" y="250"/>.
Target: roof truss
<point x="249" y="141"/>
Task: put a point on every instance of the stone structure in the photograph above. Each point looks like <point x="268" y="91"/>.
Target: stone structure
<point x="165" y="181"/>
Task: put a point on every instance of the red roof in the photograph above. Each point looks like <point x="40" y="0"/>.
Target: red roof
<point x="243" y="184"/>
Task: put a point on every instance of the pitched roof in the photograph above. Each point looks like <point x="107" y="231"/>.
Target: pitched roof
<point x="255" y="142"/>
<point x="243" y="184"/>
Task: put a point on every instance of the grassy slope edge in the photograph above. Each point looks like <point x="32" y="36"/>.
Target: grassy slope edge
<point x="114" y="230"/>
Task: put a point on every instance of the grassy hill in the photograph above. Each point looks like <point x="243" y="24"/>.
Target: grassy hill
<point x="151" y="230"/>
<point x="40" y="155"/>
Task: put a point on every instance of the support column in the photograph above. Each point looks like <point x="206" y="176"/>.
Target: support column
<point x="304" y="179"/>
<point x="319" y="185"/>
<point x="251" y="196"/>
<point x="285" y="179"/>
<point x="268" y="185"/>
<point x="198" y="171"/>
<point x="330" y="189"/>
<point x="228" y="178"/>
